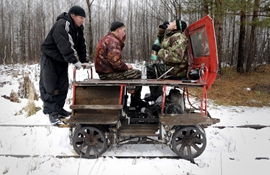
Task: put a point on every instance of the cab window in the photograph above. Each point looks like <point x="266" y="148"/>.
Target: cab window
<point x="199" y="43"/>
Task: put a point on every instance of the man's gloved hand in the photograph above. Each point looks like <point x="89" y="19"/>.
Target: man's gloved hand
<point x="122" y="45"/>
<point x="156" y="48"/>
<point x="78" y="65"/>
<point x="86" y="65"/>
<point x="164" y="25"/>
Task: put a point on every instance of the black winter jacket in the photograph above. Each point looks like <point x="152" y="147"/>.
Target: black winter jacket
<point x="65" y="42"/>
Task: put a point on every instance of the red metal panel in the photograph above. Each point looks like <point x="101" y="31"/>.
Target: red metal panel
<point x="74" y="94"/>
<point x="202" y="47"/>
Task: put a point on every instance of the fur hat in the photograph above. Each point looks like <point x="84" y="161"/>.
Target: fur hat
<point x="77" y="10"/>
<point x="115" y="25"/>
<point x="181" y="25"/>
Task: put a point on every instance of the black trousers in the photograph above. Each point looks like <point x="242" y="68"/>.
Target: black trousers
<point x="53" y="84"/>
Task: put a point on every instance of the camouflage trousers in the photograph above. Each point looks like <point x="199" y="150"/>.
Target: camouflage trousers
<point x="130" y="74"/>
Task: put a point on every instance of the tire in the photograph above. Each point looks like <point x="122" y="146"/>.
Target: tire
<point x="189" y="142"/>
<point x="89" y="142"/>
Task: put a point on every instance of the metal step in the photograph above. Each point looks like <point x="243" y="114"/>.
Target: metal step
<point x="135" y="130"/>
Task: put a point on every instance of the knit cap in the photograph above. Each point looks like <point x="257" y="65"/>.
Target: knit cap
<point x="181" y="25"/>
<point x="115" y="25"/>
<point x="77" y="10"/>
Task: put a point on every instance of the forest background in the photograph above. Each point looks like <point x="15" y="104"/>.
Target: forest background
<point x="242" y="27"/>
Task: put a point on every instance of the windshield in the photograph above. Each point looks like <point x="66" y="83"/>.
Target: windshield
<point x="199" y="43"/>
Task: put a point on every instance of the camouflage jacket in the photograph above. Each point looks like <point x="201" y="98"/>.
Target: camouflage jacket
<point x="173" y="52"/>
<point x="108" y="55"/>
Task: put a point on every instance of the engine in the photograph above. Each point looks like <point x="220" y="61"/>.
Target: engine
<point x="175" y="102"/>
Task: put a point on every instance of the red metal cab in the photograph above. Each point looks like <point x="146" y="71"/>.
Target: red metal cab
<point x="202" y="49"/>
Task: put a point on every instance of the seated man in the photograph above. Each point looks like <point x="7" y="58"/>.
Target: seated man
<point x="173" y="48"/>
<point x="108" y="60"/>
<point x="172" y="51"/>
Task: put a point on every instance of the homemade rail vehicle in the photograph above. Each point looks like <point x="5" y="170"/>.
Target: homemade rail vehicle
<point x="101" y="116"/>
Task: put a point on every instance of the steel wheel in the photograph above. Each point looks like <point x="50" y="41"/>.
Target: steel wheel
<point x="189" y="142"/>
<point x="89" y="142"/>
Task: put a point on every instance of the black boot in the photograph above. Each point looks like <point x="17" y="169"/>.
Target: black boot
<point x="54" y="119"/>
<point x="136" y="100"/>
<point x="155" y="92"/>
<point x="63" y="113"/>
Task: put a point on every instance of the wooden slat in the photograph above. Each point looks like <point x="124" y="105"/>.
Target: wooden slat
<point x="138" y="130"/>
<point x="136" y="82"/>
<point x="96" y="107"/>
<point x="106" y="119"/>
<point x="186" y="119"/>
<point x="97" y="95"/>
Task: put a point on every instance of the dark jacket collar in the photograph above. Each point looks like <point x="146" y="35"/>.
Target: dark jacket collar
<point x="68" y="18"/>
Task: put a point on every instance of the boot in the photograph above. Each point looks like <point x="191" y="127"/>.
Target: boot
<point x="155" y="92"/>
<point x="54" y="119"/>
<point x="136" y="100"/>
<point x="63" y="113"/>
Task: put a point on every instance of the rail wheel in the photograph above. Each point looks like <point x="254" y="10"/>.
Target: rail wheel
<point x="89" y="142"/>
<point x="189" y="142"/>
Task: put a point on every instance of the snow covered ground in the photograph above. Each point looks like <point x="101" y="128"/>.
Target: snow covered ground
<point x="229" y="151"/>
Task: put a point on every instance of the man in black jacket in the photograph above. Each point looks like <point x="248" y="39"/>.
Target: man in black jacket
<point x="64" y="44"/>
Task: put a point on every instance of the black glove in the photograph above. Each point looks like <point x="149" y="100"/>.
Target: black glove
<point x="156" y="48"/>
<point x="122" y="45"/>
<point x="164" y="25"/>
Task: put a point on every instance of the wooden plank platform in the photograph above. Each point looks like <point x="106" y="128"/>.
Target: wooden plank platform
<point x="103" y="119"/>
<point x="136" y="82"/>
<point x="138" y="130"/>
<point x="186" y="119"/>
<point x="105" y="107"/>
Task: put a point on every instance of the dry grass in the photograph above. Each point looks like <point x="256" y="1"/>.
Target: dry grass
<point x="236" y="89"/>
<point x="29" y="90"/>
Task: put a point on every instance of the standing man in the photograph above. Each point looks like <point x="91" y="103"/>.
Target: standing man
<point x="108" y="60"/>
<point x="64" y="44"/>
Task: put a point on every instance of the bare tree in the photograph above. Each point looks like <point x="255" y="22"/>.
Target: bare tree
<point x="173" y="7"/>
<point x="131" y="29"/>
<point x="219" y="27"/>
<point x="268" y="48"/>
<point x="253" y="45"/>
<point x="205" y="8"/>
<point x="90" y="32"/>
<point x="241" y="46"/>
<point x="233" y="44"/>
<point x="29" y="32"/>
<point x="2" y="32"/>
<point x="114" y="10"/>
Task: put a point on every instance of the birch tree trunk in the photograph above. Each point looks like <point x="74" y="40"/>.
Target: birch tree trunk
<point x="233" y="42"/>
